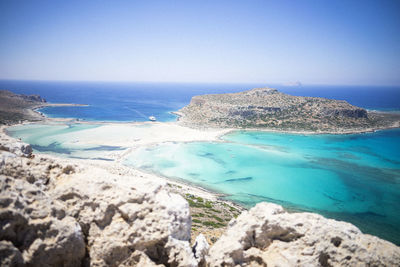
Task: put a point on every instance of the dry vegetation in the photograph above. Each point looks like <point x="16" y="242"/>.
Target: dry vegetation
<point x="208" y="217"/>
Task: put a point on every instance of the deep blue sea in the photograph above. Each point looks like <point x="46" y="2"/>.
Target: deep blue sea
<point x="137" y="101"/>
<point x="355" y="178"/>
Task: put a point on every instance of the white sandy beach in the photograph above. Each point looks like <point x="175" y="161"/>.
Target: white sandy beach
<point x="131" y="136"/>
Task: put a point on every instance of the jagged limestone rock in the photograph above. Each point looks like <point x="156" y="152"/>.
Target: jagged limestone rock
<point x="120" y="215"/>
<point x="269" y="236"/>
<point x="37" y="227"/>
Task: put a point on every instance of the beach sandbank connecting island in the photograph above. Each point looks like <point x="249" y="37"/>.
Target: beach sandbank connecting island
<point x="70" y="212"/>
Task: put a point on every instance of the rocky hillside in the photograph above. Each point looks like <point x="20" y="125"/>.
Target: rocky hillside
<point x="271" y="109"/>
<point x="14" y="107"/>
<point x="58" y="213"/>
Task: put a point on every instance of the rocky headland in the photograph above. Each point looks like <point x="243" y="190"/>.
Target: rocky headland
<point x="16" y="108"/>
<point x="269" y="109"/>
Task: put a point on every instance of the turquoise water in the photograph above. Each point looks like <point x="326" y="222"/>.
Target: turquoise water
<point x="64" y="140"/>
<point x="355" y="178"/>
<point x="348" y="177"/>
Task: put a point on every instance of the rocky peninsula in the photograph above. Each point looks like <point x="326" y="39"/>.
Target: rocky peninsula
<point x="65" y="212"/>
<point x="269" y="109"/>
<point x="16" y="108"/>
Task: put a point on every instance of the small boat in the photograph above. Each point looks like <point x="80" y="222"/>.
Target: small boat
<point x="152" y="118"/>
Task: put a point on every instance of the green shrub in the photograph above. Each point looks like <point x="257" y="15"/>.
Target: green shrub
<point x="213" y="224"/>
<point x="217" y="218"/>
<point x="199" y="199"/>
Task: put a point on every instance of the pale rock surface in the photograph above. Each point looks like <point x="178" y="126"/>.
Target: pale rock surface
<point x="200" y="249"/>
<point x="39" y="171"/>
<point x="121" y="214"/>
<point x="139" y="258"/>
<point x="14" y="146"/>
<point x="269" y="236"/>
<point x="35" y="230"/>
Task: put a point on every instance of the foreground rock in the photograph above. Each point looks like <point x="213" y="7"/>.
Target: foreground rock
<point x="269" y="109"/>
<point x="269" y="236"/>
<point x="35" y="230"/>
<point x="120" y="215"/>
<point x="61" y="214"/>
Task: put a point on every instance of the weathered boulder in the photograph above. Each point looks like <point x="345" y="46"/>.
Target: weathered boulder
<point x="121" y="215"/>
<point x="124" y="220"/>
<point x="269" y="236"/>
<point x="35" y="230"/>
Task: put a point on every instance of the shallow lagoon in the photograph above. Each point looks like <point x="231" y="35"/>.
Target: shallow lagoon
<point x="67" y="140"/>
<point x="355" y="178"/>
<point x="348" y="177"/>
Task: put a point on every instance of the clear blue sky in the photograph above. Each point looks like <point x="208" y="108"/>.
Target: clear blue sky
<point x="315" y="42"/>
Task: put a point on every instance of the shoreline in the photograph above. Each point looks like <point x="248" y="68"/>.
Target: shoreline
<point x="118" y="158"/>
<point x="200" y="199"/>
<point x="344" y="132"/>
<point x="180" y="116"/>
<point x="184" y="188"/>
<point x="117" y="166"/>
<point x="191" y="188"/>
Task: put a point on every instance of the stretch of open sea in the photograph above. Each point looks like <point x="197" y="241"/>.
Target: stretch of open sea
<point x="354" y="178"/>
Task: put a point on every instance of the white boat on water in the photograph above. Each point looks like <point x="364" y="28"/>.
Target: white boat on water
<point x="152" y="118"/>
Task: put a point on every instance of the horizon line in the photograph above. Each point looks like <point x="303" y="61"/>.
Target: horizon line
<point x="287" y="84"/>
